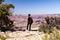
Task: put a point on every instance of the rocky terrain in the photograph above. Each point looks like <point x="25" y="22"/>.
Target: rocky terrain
<point x="21" y="22"/>
<point x="23" y="35"/>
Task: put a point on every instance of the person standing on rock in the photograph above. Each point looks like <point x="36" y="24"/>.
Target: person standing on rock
<point x="29" y="22"/>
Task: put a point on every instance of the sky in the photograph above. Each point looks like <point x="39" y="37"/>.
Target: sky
<point x="35" y="6"/>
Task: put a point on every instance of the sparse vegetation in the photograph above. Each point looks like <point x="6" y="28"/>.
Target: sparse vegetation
<point x="55" y="35"/>
<point x="45" y="28"/>
<point x="51" y="22"/>
<point x="2" y="37"/>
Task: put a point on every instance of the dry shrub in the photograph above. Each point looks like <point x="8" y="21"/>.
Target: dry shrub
<point x="2" y="37"/>
<point x="55" y="35"/>
<point x="51" y="22"/>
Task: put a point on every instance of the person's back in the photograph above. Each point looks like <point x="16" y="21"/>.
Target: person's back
<point x="30" y="21"/>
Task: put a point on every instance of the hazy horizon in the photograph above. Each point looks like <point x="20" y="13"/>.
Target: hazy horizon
<point x="35" y="6"/>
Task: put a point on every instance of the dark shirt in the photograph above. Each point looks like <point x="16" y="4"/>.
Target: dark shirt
<point x="30" y="20"/>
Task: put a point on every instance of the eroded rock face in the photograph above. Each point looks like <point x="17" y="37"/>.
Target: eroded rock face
<point x="23" y="35"/>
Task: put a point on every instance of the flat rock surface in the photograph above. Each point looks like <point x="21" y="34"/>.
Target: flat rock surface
<point x="23" y="35"/>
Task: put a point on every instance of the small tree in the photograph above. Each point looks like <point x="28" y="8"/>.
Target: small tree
<point x="4" y="13"/>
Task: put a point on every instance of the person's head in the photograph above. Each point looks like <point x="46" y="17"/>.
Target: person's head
<point x="29" y="15"/>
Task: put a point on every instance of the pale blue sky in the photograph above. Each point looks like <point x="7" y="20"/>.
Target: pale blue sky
<point x="35" y="6"/>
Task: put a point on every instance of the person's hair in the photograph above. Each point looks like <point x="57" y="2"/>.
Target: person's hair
<point x="29" y="14"/>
